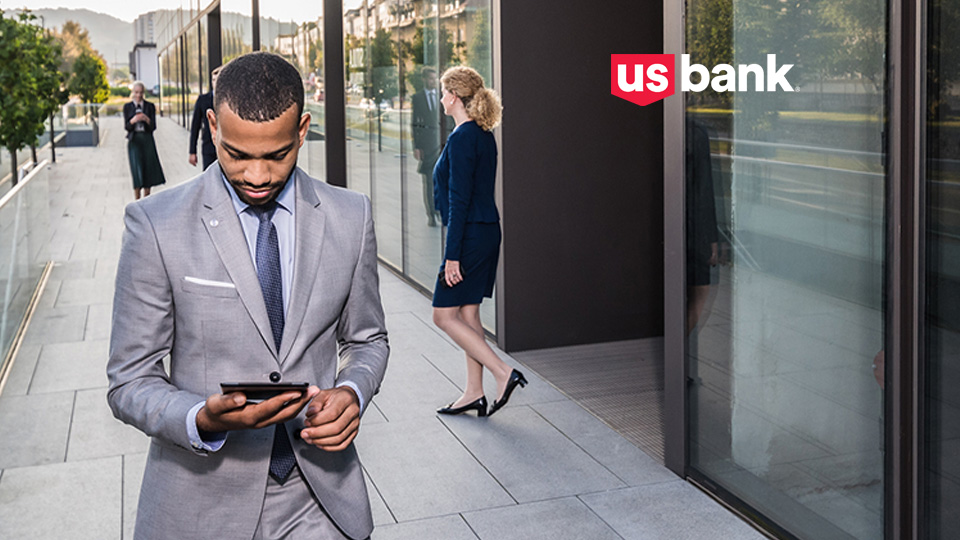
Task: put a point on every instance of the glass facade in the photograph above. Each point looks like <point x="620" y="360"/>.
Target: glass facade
<point x="942" y="317"/>
<point x="394" y="54"/>
<point x="785" y="220"/>
<point x="297" y="35"/>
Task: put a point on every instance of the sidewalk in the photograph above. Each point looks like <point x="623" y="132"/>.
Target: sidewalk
<point x="541" y="468"/>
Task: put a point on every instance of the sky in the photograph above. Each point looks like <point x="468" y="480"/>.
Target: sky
<point x="128" y="11"/>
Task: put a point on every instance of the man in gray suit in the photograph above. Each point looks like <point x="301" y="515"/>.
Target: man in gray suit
<point x="253" y="271"/>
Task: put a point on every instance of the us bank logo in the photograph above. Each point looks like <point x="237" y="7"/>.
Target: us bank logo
<point x="647" y="78"/>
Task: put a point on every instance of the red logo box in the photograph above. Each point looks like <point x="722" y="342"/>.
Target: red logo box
<point x="642" y="78"/>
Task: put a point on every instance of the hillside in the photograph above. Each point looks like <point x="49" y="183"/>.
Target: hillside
<point x="110" y="36"/>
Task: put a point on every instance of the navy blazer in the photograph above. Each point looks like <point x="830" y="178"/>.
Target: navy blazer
<point x="199" y="126"/>
<point x="463" y="182"/>
<point x="130" y="110"/>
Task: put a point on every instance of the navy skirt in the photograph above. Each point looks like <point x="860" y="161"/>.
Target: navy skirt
<point x="478" y="264"/>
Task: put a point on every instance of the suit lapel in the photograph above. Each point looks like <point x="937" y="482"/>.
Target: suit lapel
<point x="309" y="243"/>
<point x="223" y="225"/>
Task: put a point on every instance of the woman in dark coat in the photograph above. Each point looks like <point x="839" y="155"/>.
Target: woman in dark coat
<point x="140" y="120"/>
<point x="464" y="179"/>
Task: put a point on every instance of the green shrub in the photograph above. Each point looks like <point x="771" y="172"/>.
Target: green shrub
<point x="122" y="91"/>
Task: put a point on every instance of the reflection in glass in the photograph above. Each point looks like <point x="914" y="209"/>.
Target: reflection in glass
<point x="785" y="249"/>
<point x="395" y="51"/>
<point x="943" y="272"/>
<point x="297" y="35"/>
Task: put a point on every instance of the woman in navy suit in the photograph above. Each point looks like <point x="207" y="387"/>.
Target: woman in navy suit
<point x="140" y="121"/>
<point x="464" y="179"/>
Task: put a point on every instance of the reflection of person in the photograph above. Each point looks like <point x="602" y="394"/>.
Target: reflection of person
<point x="140" y="121"/>
<point x="702" y="232"/>
<point x="200" y="127"/>
<point x="464" y="176"/>
<point x="426" y="136"/>
<point x="252" y="271"/>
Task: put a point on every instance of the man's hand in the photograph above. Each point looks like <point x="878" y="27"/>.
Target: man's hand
<point x="229" y="412"/>
<point x="333" y="419"/>
<point x="417" y="154"/>
<point x="192" y="159"/>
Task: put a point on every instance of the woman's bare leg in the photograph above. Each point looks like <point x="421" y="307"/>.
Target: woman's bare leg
<point x="146" y="191"/>
<point x="462" y="324"/>
<point x="136" y="193"/>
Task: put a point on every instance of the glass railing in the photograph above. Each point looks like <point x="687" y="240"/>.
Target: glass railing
<point x="24" y="258"/>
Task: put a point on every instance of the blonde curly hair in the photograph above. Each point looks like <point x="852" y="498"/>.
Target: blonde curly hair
<point x="482" y="104"/>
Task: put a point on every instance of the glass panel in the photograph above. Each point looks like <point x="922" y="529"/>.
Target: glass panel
<point x="943" y="272"/>
<point x="423" y="128"/>
<point x="236" y="28"/>
<point x="24" y="238"/>
<point x="295" y="31"/>
<point x="785" y="258"/>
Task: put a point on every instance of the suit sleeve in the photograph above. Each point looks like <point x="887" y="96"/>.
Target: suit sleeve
<point x="362" y="332"/>
<point x="140" y="392"/>
<point x="463" y="161"/>
<point x="128" y="112"/>
<point x="152" y="115"/>
<point x="195" y="126"/>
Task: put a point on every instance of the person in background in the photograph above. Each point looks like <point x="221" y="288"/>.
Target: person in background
<point x="140" y="121"/>
<point x="200" y="127"/>
<point x="427" y="140"/>
<point x="464" y="180"/>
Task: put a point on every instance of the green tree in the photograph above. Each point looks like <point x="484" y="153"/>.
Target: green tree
<point x="30" y="83"/>
<point x="75" y="40"/>
<point x="479" y="53"/>
<point x="428" y="48"/>
<point x="89" y="79"/>
<point x="383" y="57"/>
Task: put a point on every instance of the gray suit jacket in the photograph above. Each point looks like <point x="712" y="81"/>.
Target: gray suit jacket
<point x="334" y="331"/>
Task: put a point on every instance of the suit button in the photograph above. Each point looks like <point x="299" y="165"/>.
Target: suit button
<point x="275" y="376"/>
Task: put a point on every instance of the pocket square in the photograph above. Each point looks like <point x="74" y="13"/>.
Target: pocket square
<point x="209" y="282"/>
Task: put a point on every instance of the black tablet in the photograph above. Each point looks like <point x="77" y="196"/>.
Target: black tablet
<point x="256" y="391"/>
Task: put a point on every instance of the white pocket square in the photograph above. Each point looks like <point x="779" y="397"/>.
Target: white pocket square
<point x="209" y="282"/>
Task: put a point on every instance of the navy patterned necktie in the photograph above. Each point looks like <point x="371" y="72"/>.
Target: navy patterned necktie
<point x="282" y="458"/>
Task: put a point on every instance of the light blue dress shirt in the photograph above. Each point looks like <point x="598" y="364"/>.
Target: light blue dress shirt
<point x="283" y="220"/>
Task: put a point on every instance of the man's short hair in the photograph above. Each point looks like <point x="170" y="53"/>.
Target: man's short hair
<point x="427" y="71"/>
<point x="259" y="87"/>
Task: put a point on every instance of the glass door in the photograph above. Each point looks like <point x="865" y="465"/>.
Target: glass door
<point x="785" y="250"/>
<point x="942" y="317"/>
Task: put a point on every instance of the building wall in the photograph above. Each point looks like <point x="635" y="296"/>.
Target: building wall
<point x="582" y="178"/>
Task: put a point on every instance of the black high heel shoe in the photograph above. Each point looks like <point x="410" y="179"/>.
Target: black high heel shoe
<point x="480" y="405"/>
<point x="515" y="378"/>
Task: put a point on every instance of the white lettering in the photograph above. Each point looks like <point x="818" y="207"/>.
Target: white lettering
<point x="745" y="70"/>
<point x="726" y="78"/>
<point x="685" y="71"/>
<point x="659" y="81"/>
<point x="777" y="76"/>
<point x="637" y="85"/>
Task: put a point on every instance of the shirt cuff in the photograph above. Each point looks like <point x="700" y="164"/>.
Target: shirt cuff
<point x="355" y="388"/>
<point x="215" y="441"/>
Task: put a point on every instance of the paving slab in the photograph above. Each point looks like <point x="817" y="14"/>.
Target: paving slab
<point x="21" y="373"/>
<point x="529" y="457"/>
<point x="421" y="470"/>
<point x="675" y="510"/>
<point x="609" y="448"/>
<point x="57" y="325"/>
<point x="71" y="366"/>
<point x="96" y="433"/>
<point x="79" y="500"/>
<point x="445" y="528"/>
<point x="558" y="519"/>
<point x="35" y="429"/>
